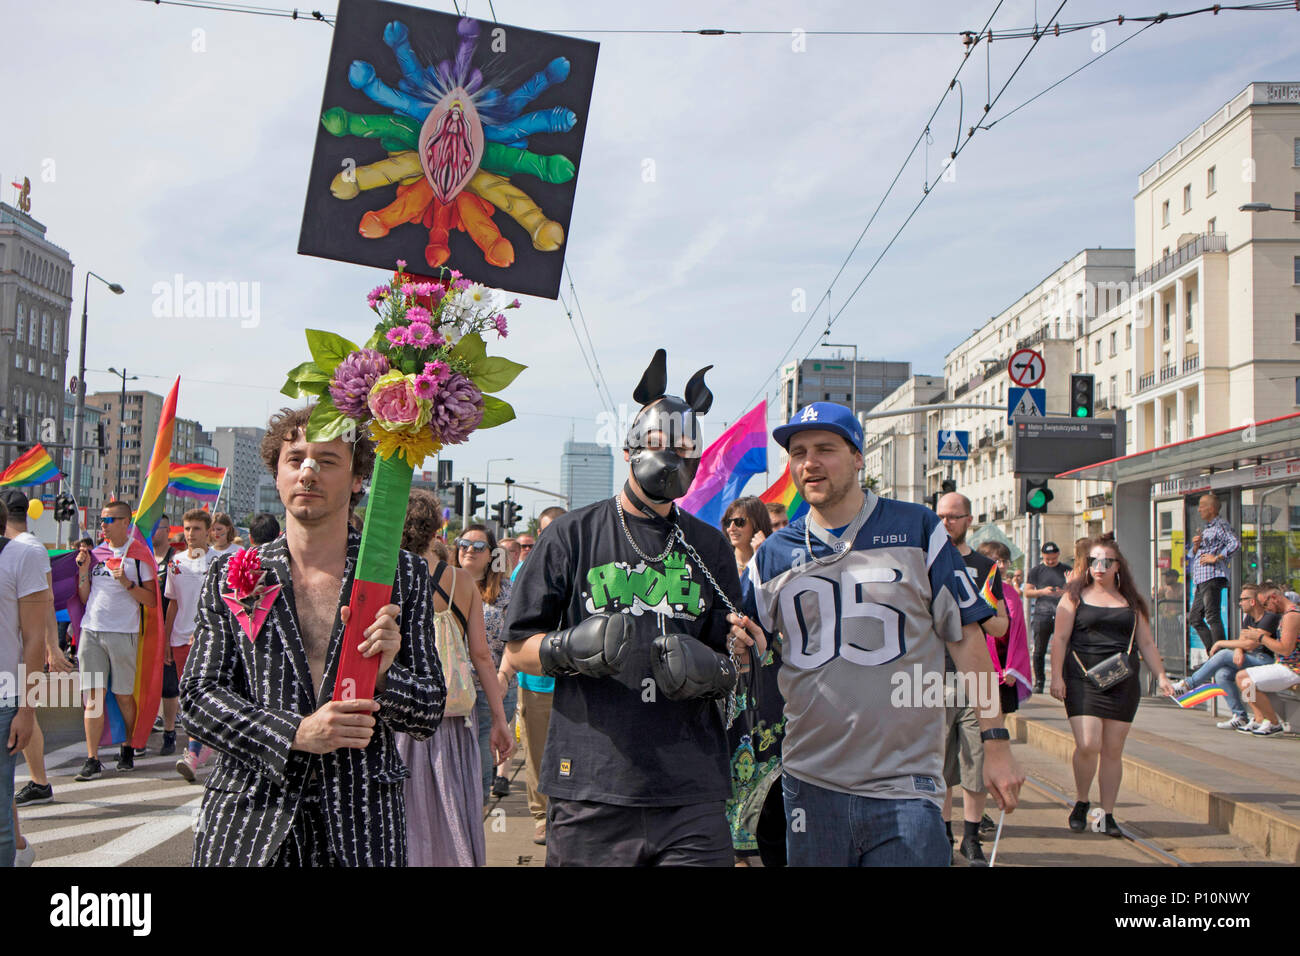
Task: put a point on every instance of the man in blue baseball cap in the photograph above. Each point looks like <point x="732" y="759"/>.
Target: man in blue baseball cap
<point x="867" y="592"/>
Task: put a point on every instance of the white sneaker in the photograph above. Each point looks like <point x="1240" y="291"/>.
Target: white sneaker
<point x="1248" y="727"/>
<point x="26" y="856"/>
<point x="1232" y="723"/>
<point x="1180" y="688"/>
<point x="1267" y="729"/>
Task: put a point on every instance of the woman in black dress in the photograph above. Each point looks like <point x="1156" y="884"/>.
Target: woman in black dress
<point x="1101" y="614"/>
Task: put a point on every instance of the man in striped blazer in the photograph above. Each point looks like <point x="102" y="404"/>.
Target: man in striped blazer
<point x="299" y="782"/>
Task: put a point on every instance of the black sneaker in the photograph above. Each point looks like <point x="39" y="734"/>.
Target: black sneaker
<point x="1079" y="816"/>
<point x="33" y="793"/>
<point x="140" y="751"/>
<point x="973" y="853"/>
<point x="1112" y="828"/>
<point x="168" y="745"/>
<point x="126" y="762"/>
<point x="987" y="826"/>
<point x="500" y="787"/>
<point x="91" y="769"/>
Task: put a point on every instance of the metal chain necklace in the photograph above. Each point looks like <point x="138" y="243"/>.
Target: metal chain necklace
<point x="675" y="535"/>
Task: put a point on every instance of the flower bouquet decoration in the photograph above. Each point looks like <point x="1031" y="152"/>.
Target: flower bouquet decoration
<point x="422" y="381"/>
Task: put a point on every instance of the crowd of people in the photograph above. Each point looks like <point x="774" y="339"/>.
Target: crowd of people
<point x="682" y="693"/>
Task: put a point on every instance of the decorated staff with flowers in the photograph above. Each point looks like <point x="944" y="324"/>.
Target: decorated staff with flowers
<point x="313" y="650"/>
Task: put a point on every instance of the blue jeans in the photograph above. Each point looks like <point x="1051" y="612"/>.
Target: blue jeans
<point x="1220" y="669"/>
<point x="7" y="761"/>
<point x="483" y="722"/>
<point x="829" y="828"/>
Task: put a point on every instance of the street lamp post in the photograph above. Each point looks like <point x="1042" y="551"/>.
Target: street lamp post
<point x="121" y="428"/>
<point x="79" y="416"/>
<point x="1265" y="207"/>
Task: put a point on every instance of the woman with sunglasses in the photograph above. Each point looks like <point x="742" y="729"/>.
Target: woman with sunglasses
<point x="444" y="809"/>
<point x="477" y="553"/>
<point x="1101" y="615"/>
<point x="747" y="525"/>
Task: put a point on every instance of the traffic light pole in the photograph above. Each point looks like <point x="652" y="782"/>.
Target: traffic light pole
<point x="466" y="501"/>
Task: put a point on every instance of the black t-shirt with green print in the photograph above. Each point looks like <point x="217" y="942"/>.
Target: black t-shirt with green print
<point x="615" y="739"/>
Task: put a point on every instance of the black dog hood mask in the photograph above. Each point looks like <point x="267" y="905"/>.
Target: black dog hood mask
<point x="664" y="443"/>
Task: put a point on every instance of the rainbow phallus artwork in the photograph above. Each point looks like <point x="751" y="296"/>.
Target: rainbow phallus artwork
<point x="459" y="136"/>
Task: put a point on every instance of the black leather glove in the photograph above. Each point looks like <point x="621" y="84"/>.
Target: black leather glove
<point x="685" y="668"/>
<point x="595" y="648"/>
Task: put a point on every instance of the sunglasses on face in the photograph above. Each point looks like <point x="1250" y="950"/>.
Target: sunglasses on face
<point x="464" y="544"/>
<point x="107" y="520"/>
<point x="736" y="522"/>
<point x="1103" y="564"/>
<point x="525" y="547"/>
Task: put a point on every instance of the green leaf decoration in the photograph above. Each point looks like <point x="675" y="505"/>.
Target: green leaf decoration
<point x="494" y="373"/>
<point x="495" y="412"/>
<point x="374" y="340"/>
<point x="305" y="381"/>
<point x="328" y="349"/>
<point x="471" y="349"/>
<point x="327" y="422"/>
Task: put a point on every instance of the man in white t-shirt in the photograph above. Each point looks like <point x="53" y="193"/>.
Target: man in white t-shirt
<point x="185" y="574"/>
<point x="24" y="603"/>
<point x="112" y="591"/>
<point x="38" y="789"/>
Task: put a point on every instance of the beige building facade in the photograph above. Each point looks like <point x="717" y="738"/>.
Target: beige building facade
<point x="895" y="448"/>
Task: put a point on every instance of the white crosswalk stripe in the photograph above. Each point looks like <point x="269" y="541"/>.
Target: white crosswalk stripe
<point x="158" y="828"/>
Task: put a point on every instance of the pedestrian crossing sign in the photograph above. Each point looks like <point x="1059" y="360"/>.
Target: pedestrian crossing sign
<point x="953" y="445"/>
<point x="1026" y="403"/>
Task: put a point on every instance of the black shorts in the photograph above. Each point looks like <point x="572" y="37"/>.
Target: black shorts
<point x="582" y="833"/>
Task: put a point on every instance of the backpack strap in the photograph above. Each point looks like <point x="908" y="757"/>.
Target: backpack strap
<point x="449" y="598"/>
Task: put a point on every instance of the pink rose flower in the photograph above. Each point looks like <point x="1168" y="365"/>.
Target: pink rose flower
<point x="395" y="404"/>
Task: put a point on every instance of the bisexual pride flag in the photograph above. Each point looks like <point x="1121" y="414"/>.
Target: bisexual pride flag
<point x="726" y="465"/>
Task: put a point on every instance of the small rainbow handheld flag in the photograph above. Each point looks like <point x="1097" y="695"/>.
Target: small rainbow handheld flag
<point x="32" y="467"/>
<point x="196" y="481"/>
<point x="784" y="492"/>
<point x="986" y="592"/>
<point x="1200" y="695"/>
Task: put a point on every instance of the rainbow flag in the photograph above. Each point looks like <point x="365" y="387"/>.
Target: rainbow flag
<point x="1200" y="695"/>
<point x="196" y="481"/>
<point x="726" y="465"/>
<point x="32" y="467"/>
<point x="783" y="491"/>
<point x="986" y="592"/>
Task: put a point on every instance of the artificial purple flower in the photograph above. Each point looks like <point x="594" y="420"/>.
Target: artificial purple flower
<point x="457" y="409"/>
<point x="407" y="288"/>
<point x="353" y="378"/>
<point x="455" y="273"/>
<point x="418" y="313"/>
<point x="439" y="370"/>
<point x="424" y="288"/>
<point x="401" y="263"/>
<point x="396" y="335"/>
<point x="500" y="322"/>
<point x="513" y="305"/>
<point x="421" y="335"/>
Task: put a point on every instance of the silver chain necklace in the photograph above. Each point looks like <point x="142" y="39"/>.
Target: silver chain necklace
<point x="675" y="535"/>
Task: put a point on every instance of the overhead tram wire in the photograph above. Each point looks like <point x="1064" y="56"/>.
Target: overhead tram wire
<point x="970" y="48"/>
<point x="578" y="339"/>
<point x="573" y="294"/>
<point x="1014" y="33"/>
<point x="926" y="195"/>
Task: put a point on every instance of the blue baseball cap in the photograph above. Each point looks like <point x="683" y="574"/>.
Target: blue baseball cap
<point x="826" y="416"/>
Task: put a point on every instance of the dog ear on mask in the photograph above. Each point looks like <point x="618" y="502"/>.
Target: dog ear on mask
<point x="698" y="395"/>
<point x="654" y="383"/>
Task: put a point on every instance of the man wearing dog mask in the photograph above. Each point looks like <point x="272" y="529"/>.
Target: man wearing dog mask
<point x="626" y="602"/>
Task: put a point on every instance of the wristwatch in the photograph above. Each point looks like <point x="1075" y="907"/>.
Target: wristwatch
<point x="997" y="733"/>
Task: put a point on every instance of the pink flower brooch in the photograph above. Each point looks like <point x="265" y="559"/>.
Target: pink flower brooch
<point x="249" y="596"/>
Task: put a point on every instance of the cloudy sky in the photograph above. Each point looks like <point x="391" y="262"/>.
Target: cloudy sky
<point x="164" y="141"/>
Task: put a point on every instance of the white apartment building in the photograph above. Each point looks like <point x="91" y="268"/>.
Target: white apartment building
<point x="1217" y="308"/>
<point x="1051" y="318"/>
<point x="895" y="448"/>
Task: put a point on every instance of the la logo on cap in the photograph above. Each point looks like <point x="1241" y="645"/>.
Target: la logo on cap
<point x="809" y="415"/>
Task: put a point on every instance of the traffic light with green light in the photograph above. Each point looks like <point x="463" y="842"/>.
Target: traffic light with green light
<point x="1082" y="390"/>
<point x="1036" y="496"/>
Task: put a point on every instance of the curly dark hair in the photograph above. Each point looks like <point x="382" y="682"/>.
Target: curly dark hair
<point x="285" y="425"/>
<point x="423" y="521"/>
